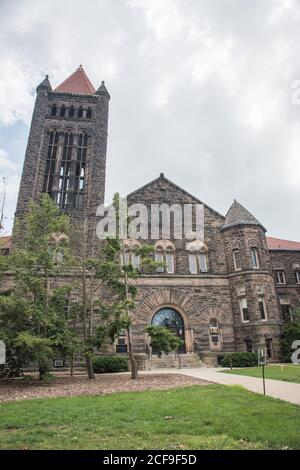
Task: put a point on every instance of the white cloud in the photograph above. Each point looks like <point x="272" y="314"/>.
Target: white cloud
<point x="195" y="84"/>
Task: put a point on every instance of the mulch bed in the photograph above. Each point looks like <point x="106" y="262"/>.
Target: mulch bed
<point x="66" y="386"/>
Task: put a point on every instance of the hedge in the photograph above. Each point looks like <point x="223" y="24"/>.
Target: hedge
<point x="240" y="359"/>
<point x="104" y="364"/>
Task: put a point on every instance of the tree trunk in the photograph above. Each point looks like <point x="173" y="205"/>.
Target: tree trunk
<point x="133" y="364"/>
<point x="89" y="366"/>
<point x="43" y="369"/>
<point x="72" y="365"/>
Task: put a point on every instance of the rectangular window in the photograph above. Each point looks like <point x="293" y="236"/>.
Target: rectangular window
<point x="262" y="309"/>
<point x="248" y="345"/>
<point x="286" y="312"/>
<point x="237" y="260"/>
<point x="280" y="277"/>
<point x="254" y="258"/>
<point x="244" y="309"/>
<point x="297" y="277"/>
<point x="193" y="263"/>
<point x="170" y="262"/>
<point x="202" y="262"/>
<point x="125" y="258"/>
<point x="159" y="257"/>
<point x="269" y="348"/>
<point x="135" y="260"/>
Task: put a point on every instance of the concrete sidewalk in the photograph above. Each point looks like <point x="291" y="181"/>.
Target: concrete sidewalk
<point x="286" y="391"/>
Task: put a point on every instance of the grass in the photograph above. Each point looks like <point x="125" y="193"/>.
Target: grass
<point x="197" y="417"/>
<point x="287" y="373"/>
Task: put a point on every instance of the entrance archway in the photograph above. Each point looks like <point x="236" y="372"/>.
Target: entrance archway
<point x="171" y="319"/>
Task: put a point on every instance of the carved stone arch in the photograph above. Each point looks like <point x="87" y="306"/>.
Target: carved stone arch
<point x="85" y="129"/>
<point x="69" y="130"/>
<point x="164" y="244"/>
<point x="253" y="243"/>
<point x="196" y="245"/>
<point x="131" y="243"/>
<point x="213" y="312"/>
<point x="166" y="298"/>
<point x="235" y="245"/>
<point x="169" y="298"/>
<point x="51" y="128"/>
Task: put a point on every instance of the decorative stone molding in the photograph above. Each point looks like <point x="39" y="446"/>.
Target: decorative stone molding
<point x="166" y="298"/>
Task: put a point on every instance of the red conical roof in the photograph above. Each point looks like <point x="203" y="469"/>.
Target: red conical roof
<point x="78" y="82"/>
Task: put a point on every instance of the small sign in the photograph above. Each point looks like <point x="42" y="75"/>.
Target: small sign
<point x="2" y="353"/>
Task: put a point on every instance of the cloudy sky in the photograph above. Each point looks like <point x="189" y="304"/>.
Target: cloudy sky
<point x="202" y="90"/>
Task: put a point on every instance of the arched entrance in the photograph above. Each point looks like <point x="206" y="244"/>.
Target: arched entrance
<point x="171" y="319"/>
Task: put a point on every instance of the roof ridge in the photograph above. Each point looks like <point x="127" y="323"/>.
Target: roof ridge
<point x="163" y="177"/>
<point x="77" y="82"/>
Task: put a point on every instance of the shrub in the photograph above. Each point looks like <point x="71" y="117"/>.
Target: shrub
<point x="104" y="364"/>
<point x="240" y="359"/>
<point x="290" y="333"/>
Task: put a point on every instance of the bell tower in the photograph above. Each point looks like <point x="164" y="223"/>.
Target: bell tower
<point x="66" y="151"/>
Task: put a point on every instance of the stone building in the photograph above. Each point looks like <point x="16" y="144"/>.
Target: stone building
<point x="230" y="292"/>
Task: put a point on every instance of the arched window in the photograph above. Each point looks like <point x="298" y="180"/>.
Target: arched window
<point x="214" y="333"/>
<point x="64" y="175"/>
<point x="197" y="255"/>
<point x="89" y="113"/>
<point x="130" y="256"/>
<point x="171" y="319"/>
<point x="237" y="260"/>
<point x="164" y="253"/>
<point x="80" y="112"/>
<point x="71" y="111"/>
<point x="63" y="111"/>
<point x="50" y="162"/>
<point x="213" y="323"/>
<point x="53" y="110"/>
<point x="80" y="169"/>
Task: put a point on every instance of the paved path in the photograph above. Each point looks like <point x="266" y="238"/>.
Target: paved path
<point x="286" y="391"/>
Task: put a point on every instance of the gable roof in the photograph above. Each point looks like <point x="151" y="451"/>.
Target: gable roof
<point x="239" y="215"/>
<point x="163" y="178"/>
<point x="77" y="83"/>
<point x="279" y="244"/>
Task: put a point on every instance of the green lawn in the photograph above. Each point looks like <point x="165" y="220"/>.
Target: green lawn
<point x="198" y="417"/>
<point x="287" y="373"/>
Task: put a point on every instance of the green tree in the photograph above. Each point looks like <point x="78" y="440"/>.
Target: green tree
<point x="290" y="333"/>
<point x="120" y="276"/>
<point x="163" y="340"/>
<point x="33" y="319"/>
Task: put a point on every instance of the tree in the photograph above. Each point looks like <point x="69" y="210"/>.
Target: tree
<point x="119" y="275"/>
<point x="163" y="340"/>
<point x="290" y="333"/>
<point x="33" y="319"/>
<point x="94" y="294"/>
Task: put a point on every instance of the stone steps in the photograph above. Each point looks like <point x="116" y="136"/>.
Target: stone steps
<point x="169" y="361"/>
